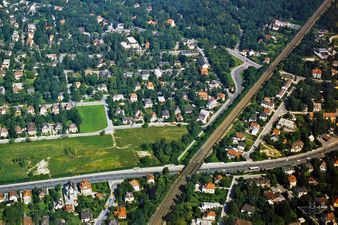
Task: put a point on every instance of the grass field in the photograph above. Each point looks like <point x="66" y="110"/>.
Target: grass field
<point x="93" y="118"/>
<point x="72" y="156"/>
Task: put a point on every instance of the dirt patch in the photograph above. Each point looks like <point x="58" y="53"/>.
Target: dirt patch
<point x="41" y="168"/>
<point x="270" y="151"/>
<point x="143" y="154"/>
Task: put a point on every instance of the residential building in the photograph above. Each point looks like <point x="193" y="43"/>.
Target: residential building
<point x="135" y="184"/>
<point x="209" y="188"/>
<point x="86" y="187"/>
<point x="129" y="197"/>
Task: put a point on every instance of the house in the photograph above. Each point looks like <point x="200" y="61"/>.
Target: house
<point x="27" y="196"/>
<point x="150" y="179"/>
<point x="254" y="128"/>
<point x="86" y="216"/>
<point x="232" y="153"/>
<point x="17" y="87"/>
<point x="273" y="198"/>
<point x="300" y="191"/>
<point x="297" y="146"/>
<point x="165" y="114"/>
<point x="221" y="96"/>
<point x="329" y="116"/>
<point x="43" y="110"/>
<point x="317" y="107"/>
<point x="118" y="97"/>
<point x="210" y="205"/>
<point x="3" y="132"/>
<point x="31" y="110"/>
<point x="18" y="74"/>
<point x="148" y="103"/>
<point x="13" y="196"/>
<point x="322" y="53"/>
<point x="31" y="129"/>
<point x="85" y="187"/>
<point x="121" y="213"/>
<point x="56" y="109"/>
<point x="312" y="181"/>
<point x="203" y="66"/>
<point x="323" y="166"/>
<point x="43" y="193"/>
<point x="209" y="188"/>
<point x="133" y="97"/>
<point x="248" y="209"/>
<point x="203" y="116"/>
<point x="45" y="130"/>
<point x="150" y="85"/>
<point x="335" y="202"/>
<point x="238" y="137"/>
<point x="103" y="88"/>
<point x="203" y="95"/>
<point x="317" y="73"/>
<point x="287" y="125"/>
<point x="292" y="181"/>
<point x="212" y="103"/>
<point x="161" y="99"/>
<point x="69" y="208"/>
<point x="129" y="197"/>
<point x="210" y="216"/>
<point x="153" y="118"/>
<point x="289" y="170"/>
<point x="5" y="64"/>
<point x="267" y="103"/>
<point x="2" y="90"/>
<point x="335" y="164"/>
<point x="242" y="222"/>
<point x="135" y="184"/>
<point x="241" y="146"/>
<point x="69" y="106"/>
<point x="2" y="197"/>
<point x="171" y="22"/>
<point x="73" y="128"/>
<point x="330" y="218"/>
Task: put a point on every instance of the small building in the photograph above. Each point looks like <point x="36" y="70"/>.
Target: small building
<point x="135" y="184"/>
<point x="209" y="188"/>
<point x="86" y="216"/>
<point x="31" y="129"/>
<point x="27" y="196"/>
<point x="248" y="209"/>
<point x="121" y="213"/>
<point x="86" y="187"/>
<point x="292" y="181"/>
<point x="133" y="97"/>
<point x="150" y="179"/>
<point x="73" y="128"/>
<point x="129" y="197"/>
<point x="210" y="216"/>
<point x="297" y="146"/>
<point x="317" y="73"/>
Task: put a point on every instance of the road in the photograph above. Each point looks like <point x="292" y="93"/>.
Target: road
<point x="236" y="53"/>
<point x="110" y="201"/>
<point x="206" y="167"/>
<point x="93" y="177"/>
<point x="280" y="111"/>
<point x="271" y="163"/>
<point x="197" y="160"/>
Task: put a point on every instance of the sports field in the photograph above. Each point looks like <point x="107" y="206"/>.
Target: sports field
<point x="93" y="118"/>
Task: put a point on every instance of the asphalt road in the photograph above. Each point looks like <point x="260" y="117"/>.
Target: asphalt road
<point x="197" y="160"/>
<point x="116" y="176"/>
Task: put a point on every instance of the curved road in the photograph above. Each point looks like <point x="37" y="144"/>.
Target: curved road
<point x="198" y="159"/>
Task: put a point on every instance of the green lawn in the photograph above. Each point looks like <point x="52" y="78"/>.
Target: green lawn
<point x="93" y="118"/>
<point x="131" y="139"/>
<point x="72" y="156"/>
